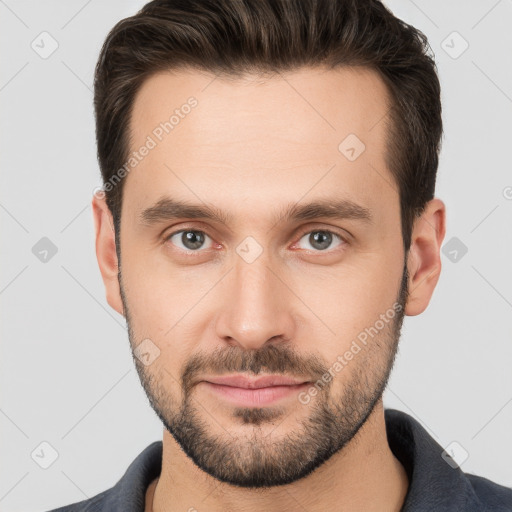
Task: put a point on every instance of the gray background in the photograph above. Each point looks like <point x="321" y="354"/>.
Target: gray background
<point x="67" y="374"/>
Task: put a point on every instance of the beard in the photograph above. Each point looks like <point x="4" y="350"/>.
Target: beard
<point x="258" y="459"/>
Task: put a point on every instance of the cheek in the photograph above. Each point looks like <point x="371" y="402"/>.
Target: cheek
<point x="166" y="309"/>
<point x="351" y="296"/>
<point x="350" y="307"/>
<point x="158" y="295"/>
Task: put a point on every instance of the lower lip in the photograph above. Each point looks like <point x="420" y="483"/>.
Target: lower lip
<point x="255" y="397"/>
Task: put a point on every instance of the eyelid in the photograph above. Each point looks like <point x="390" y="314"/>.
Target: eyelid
<point x="167" y="237"/>
<point x="330" y="229"/>
<point x="167" y="233"/>
<point x="344" y="240"/>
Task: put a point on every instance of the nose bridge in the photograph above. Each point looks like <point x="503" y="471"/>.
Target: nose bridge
<point x="252" y="281"/>
<point x="255" y="309"/>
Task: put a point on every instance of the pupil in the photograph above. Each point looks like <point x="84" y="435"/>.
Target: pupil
<point x="192" y="239"/>
<point x="320" y="239"/>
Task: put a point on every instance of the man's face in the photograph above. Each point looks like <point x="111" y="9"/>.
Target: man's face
<point x="260" y="292"/>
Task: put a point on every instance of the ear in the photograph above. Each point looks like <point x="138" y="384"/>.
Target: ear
<point x="424" y="259"/>
<point x="106" y="252"/>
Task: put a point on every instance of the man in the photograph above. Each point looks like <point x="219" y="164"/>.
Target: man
<point x="266" y="221"/>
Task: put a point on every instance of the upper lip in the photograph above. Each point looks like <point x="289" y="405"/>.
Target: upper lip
<point x="241" y="381"/>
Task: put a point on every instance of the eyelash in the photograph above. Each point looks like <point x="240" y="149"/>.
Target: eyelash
<point x="342" y="239"/>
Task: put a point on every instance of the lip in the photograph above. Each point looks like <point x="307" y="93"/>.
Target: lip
<point x="243" y="391"/>
<point x="241" y="381"/>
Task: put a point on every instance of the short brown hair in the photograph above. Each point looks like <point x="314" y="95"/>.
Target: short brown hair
<point x="234" y="37"/>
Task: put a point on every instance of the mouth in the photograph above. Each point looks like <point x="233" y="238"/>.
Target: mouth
<point x="244" y="391"/>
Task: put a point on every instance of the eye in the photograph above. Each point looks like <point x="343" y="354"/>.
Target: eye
<point x="321" y="239"/>
<point x="190" y="239"/>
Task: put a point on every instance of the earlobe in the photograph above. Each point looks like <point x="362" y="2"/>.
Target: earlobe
<point x="424" y="260"/>
<point x="106" y="252"/>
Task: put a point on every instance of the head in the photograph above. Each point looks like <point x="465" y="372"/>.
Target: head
<point x="269" y="171"/>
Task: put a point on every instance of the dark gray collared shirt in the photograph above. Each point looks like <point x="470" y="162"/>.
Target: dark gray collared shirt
<point x="434" y="484"/>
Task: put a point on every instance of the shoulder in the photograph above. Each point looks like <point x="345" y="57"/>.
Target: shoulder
<point x="436" y="480"/>
<point x="129" y="493"/>
<point x="495" y="497"/>
<point x="95" y="504"/>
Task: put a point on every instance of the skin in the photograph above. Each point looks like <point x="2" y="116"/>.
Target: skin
<point x="250" y="147"/>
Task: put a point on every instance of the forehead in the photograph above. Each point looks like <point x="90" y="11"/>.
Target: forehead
<point x="260" y="141"/>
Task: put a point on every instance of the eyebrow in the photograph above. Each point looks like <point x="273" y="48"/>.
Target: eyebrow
<point x="167" y="209"/>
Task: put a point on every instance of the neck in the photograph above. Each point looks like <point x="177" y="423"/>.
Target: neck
<point x="364" y="475"/>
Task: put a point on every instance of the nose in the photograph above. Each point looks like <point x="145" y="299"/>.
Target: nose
<point x="256" y="306"/>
